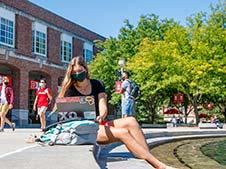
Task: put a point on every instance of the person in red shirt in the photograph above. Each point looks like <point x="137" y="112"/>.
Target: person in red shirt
<point x="42" y="100"/>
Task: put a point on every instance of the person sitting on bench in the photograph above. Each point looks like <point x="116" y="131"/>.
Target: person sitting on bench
<point x="78" y="83"/>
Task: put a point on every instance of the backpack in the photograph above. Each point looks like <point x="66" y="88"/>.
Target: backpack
<point x="135" y="90"/>
<point x="71" y="132"/>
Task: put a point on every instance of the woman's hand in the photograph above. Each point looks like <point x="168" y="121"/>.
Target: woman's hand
<point x="100" y="119"/>
<point x="10" y="106"/>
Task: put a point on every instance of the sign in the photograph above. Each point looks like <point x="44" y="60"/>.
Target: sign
<point x="118" y="86"/>
<point x="178" y="98"/>
<point x="79" y="107"/>
<point x="208" y="106"/>
<point x="33" y="84"/>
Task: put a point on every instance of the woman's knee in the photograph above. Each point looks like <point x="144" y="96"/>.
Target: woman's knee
<point x="42" y="114"/>
<point x="132" y="119"/>
<point x="132" y="122"/>
<point x="2" y="115"/>
<point x="107" y="134"/>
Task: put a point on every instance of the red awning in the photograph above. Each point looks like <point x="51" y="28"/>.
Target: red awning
<point x="203" y="115"/>
<point x="172" y="111"/>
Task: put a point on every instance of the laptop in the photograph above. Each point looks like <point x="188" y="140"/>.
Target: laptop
<point x="79" y="107"/>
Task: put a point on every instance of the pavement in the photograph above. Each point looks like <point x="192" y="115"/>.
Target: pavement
<point x="15" y="153"/>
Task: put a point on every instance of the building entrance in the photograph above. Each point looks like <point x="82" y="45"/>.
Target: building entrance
<point x="34" y="78"/>
<point x="6" y="70"/>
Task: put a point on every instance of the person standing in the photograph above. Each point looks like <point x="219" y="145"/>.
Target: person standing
<point x="128" y="102"/>
<point x="6" y="102"/>
<point x="174" y="121"/>
<point x="42" y="100"/>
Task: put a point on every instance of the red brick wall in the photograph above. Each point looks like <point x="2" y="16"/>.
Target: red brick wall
<point x="41" y="13"/>
<point x="23" y="40"/>
<point x="23" y="30"/>
<point x="21" y="69"/>
<point x="77" y="47"/>
<point x="53" y="45"/>
<point x="23" y="89"/>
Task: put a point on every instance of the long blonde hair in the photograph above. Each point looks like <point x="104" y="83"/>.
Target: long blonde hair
<point x="67" y="82"/>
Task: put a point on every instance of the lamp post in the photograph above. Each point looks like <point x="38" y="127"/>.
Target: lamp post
<point x="121" y="63"/>
<point x="118" y="83"/>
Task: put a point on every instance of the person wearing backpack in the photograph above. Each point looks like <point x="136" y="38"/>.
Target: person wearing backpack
<point x="128" y="101"/>
<point x="42" y="100"/>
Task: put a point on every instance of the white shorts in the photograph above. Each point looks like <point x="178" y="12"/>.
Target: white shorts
<point x="42" y="110"/>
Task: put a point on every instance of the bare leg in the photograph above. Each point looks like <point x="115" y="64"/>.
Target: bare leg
<point x="111" y="134"/>
<point x="8" y="122"/>
<point x="130" y="123"/>
<point x="4" y="110"/>
<point x="2" y="120"/>
<point x="43" y="120"/>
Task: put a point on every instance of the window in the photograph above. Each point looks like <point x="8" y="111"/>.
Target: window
<point x="88" y="52"/>
<point x="88" y="55"/>
<point x="39" y="42"/>
<point x="39" y="39"/>
<point x="6" y="32"/>
<point x="66" y="51"/>
<point x="66" y="47"/>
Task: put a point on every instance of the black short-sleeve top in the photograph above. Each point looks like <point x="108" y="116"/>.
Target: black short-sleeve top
<point x="96" y="88"/>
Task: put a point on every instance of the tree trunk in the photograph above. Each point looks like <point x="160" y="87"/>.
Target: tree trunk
<point x="196" y="113"/>
<point x="152" y="114"/>
<point x="185" y="118"/>
<point x="151" y="106"/>
<point x="186" y="114"/>
<point x="195" y="106"/>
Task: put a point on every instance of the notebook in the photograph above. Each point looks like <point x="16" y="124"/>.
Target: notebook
<point x="79" y="107"/>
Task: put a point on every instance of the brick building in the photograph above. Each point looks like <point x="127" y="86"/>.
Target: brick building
<point x="36" y="43"/>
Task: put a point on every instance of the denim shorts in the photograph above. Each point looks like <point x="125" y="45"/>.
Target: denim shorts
<point x="128" y="107"/>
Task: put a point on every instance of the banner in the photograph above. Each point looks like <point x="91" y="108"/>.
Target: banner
<point x="118" y="86"/>
<point x="178" y="98"/>
<point x="33" y="84"/>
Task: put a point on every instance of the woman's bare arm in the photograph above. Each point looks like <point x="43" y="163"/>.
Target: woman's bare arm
<point x="102" y="106"/>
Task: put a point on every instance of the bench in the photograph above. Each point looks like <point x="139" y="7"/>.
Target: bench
<point x="207" y="126"/>
<point x="145" y="125"/>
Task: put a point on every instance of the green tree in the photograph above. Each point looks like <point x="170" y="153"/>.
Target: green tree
<point x="125" y="46"/>
<point x="166" y="57"/>
<point x="207" y="56"/>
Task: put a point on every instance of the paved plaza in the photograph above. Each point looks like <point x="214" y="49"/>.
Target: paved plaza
<point x="16" y="153"/>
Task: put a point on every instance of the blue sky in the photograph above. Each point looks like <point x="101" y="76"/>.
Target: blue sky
<point x="106" y="17"/>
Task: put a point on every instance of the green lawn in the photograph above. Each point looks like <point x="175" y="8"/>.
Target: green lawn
<point x="216" y="151"/>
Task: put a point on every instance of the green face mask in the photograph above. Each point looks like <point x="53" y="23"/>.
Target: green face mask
<point x="80" y="76"/>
